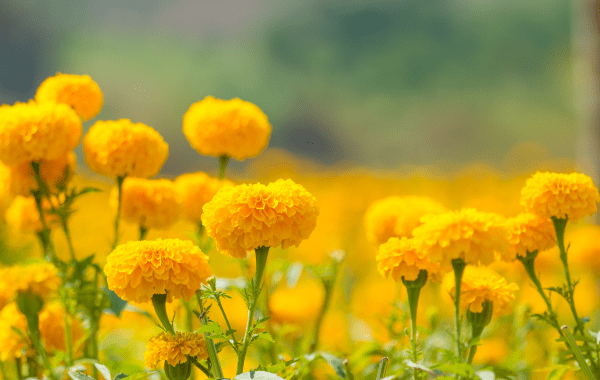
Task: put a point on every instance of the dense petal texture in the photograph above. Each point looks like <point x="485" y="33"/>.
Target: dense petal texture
<point x="77" y="91"/>
<point x="195" y="190"/>
<point x="122" y="148"/>
<point x="397" y="216"/>
<point x="33" y="131"/>
<point x="234" y="128"/>
<point x="139" y="269"/>
<point x="571" y="196"/>
<point x="246" y="217"/>
<point x="468" y="234"/>
<point x="478" y="286"/>
<point x="40" y="278"/>
<point x="399" y="258"/>
<point x="174" y="349"/>
<point x="528" y="233"/>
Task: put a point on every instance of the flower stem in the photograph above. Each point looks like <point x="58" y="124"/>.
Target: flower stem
<point x="159" y="301"/>
<point x="577" y="353"/>
<point x="120" y="180"/>
<point x="33" y="323"/>
<point x="38" y="196"/>
<point x="19" y="369"/>
<point x="143" y="232"/>
<point x="223" y="160"/>
<point x="217" y="372"/>
<point x="328" y="283"/>
<point x="261" y="261"/>
<point x="459" y="267"/>
<point x="68" y="338"/>
<point x="413" y="290"/>
<point x="65" y="227"/>
<point x="382" y="368"/>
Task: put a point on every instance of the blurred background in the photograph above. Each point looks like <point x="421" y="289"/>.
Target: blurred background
<point x="379" y="84"/>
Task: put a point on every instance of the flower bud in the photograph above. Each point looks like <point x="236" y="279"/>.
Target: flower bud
<point x="180" y="371"/>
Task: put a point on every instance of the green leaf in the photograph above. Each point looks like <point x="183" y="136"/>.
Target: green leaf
<point x="120" y="376"/>
<point x="557" y="371"/>
<point x="212" y="328"/>
<point x="266" y="336"/>
<point x="79" y="376"/>
<point x="103" y="370"/>
<point x="116" y="303"/>
<point x="258" y="375"/>
<point x="461" y="369"/>
<point x="336" y="363"/>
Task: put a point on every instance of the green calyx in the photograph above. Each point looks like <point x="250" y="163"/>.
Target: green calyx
<point x="29" y="303"/>
<point x="480" y="320"/>
<point x="181" y="371"/>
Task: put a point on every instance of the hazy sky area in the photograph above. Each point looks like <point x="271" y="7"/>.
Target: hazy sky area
<point x="372" y="83"/>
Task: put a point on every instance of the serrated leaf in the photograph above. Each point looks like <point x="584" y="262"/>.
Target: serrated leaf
<point x="258" y="375"/>
<point x="120" y="376"/>
<point x="116" y="303"/>
<point x="103" y="370"/>
<point x="266" y="336"/>
<point x="79" y="376"/>
<point x="336" y="363"/>
<point x="211" y="328"/>
<point x="461" y="369"/>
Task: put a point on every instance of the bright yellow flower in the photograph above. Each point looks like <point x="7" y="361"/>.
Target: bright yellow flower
<point x="151" y="203"/>
<point x="234" y="128"/>
<point x="13" y="344"/>
<point x="174" y="349"/>
<point x="52" y="328"/>
<point x="120" y="148"/>
<point x="467" y="234"/>
<point x="77" y="91"/>
<point x="23" y="215"/>
<point x="400" y="258"/>
<point x="480" y="284"/>
<point x="397" y="216"/>
<point x="560" y="195"/>
<point x="246" y="217"/>
<point x="529" y="233"/>
<point x="22" y="180"/>
<point x="195" y="190"/>
<point x="40" y="278"/>
<point x="139" y="269"/>
<point x="33" y="132"/>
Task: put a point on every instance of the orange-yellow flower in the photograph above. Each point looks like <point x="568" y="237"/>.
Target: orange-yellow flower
<point x="234" y="128"/>
<point x="53" y="172"/>
<point x="121" y="148"/>
<point x="399" y="257"/>
<point x="52" y="328"/>
<point x="23" y="215"/>
<point x="480" y="285"/>
<point x="245" y="217"/>
<point x="40" y="278"/>
<point x="139" y="269"/>
<point x="33" y="131"/>
<point x="12" y="343"/>
<point x="151" y="203"/>
<point x="571" y="196"/>
<point x="175" y="349"/>
<point x="195" y="190"/>
<point x="77" y="91"/>
<point x="468" y="234"/>
<point x="528" y="233"/>
<point x="397" y="216"/>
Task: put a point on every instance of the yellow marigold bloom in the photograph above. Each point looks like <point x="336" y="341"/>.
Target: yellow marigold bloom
<point x="139" y="269"/>
<point x="399" y="257"/>
<point x="529" y="233"/>
<point x="174" y="349"/>
<point x="40" y="278"/>
<point x="122" y="148"/>
<point x="478" y="286"/>
<point x="245" y="217"/>
<point x="572" y="196"/>
<point x="77" y="91"/>
<point x="151" y="203"/>
<point x="12" y="344"/>
<point x="234" y="128"/>
<point x="52" y="328"/>
<point x="23" y="215"/>
<point x="397" y="216"/>
<point x="33" y="132"/>
<point x="468" y="234"/>
<point x="195" y="190"/>
<point x="22" y="180"/>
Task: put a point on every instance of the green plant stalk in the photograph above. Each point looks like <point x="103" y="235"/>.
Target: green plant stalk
<point x="261" y="261"/>
<point x="65" y="227"/>
<point x="459" y="267"/>
<point x="19" y="370"/>
<point x="189" y="324"/>
<point x="201" y="367"/>
<point x="159" y="301"/>
<point x="347" y="370"/>
<point x="34" y="332"/>
<point x="217" y="372"/>
<point x="38" y="196"/>
<point x="329" y="284"/>
<point x="223" y="160"/>
<point x="68" y="339"/>
<point x="235" y="342"/>
<point x="578" y="355"/>
<point x="143" y="232"/>
<point x="120" y="180"/>
<point x="413" y="290"/>
<point x="382" y="368"/>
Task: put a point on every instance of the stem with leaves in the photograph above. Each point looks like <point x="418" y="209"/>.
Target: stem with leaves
<point x="459" y="267"/>
<point x="38" y="196"/>
<point x="217" y="372"/>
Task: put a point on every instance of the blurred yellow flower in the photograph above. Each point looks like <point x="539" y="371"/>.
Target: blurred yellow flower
<point x="468" y="234"/>
<point x="234" y="128"/>
<point x="52" y="328"/>
<point x="195" y="190"/>
<point x="23" y="215"/>
<point x="122" y="148"/>
<point x="400" y="258"/>
<point x="33" y="132"/>
<point x="77" y="91"/>
<point x="174" y="349"/>
<point x="22" y="180"/>
<point x="246" y="217"/>
<point x="299" y="305"/>
<point x="528" y="233"/>
<point x="40" y="278"/>
<point x="151" y="203"/>
<point x="12" y="343"/>
<point x="397" y="216"/>
<point x="571" y="196"/>
<point x="139" y="269"/>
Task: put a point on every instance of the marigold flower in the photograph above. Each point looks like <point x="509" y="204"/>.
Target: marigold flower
<point x="468" y="234"/>
<point x="399" y="257"/>
<point x="12" y="344"/>
<point x="77" y="91"/>
<point x="245" y="217"/>
<point x="151" y="203"/>
<point x="478" y="286"/>
<point x="121" y="148"/>
<point x="33" y="132"/>
<point x="139" y="269"/>
<point x="528" y="233"/>
<point x="234" y="128"/>
<point x="52" y="327"/>
<point x="22" y="180"/>
<point x="40" y="278"/>
<point x="175" y="349"/>
<point x="571" y="196"/>
<point x="195" y="190"/>
<point x="397" y="216"/>
<point x="23" y="215"/>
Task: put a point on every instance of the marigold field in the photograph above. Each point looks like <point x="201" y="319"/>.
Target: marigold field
<point x="288" y="270"/>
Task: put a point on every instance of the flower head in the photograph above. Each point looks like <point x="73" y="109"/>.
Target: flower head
<point x="529" y="233"/>
<point x="53" y="172"/>
<point x="397" y="216"/>
<point x="151" y="203"/>
<point x="40" y="278"/>
<point x="139" y="269"/>
<point x="175" y="349"/>
<point x="399" y="257"/>
<point x="77" y="91"/>
<point x="33" y="131"/>
<point x="234" y="128"/>
<point x="23" y="215"/>
<point x="571" y="196"/>
<point x="13" y="344"/>
<point x="52" y="327"/>
<point x="245" y="217"/>
<point x="121" y="148"/>
<point x="478" y="286"/>
<point x="468" y="234"/>
<point x="195" y="190"/>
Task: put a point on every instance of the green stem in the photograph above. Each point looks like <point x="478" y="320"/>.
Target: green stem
<point x="233" y="338"/>
<point x="223" y="160"/>
<point x="578" y="355"/>
<point x="261" y="261"/>
<point x="143" y="232"/>
<point x="348" y="370"/>
<point x="65" y="227"/>
<point x="382" y="368"/>
<point x="38" y="196"/>
<point x="68" y="338"/>
<point x="34" y="331"/>
<point x="217" y="372"/>
<point x="413" y="290"/>
<point x="159" y="301"/>
<point x="459" y="267"/>
<point x="328" y="283"/>
<point x="19" y="369"/>
<point x="201" y="367"/>
<point x="189" y="324"/>
<point x="120" y="180"/>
